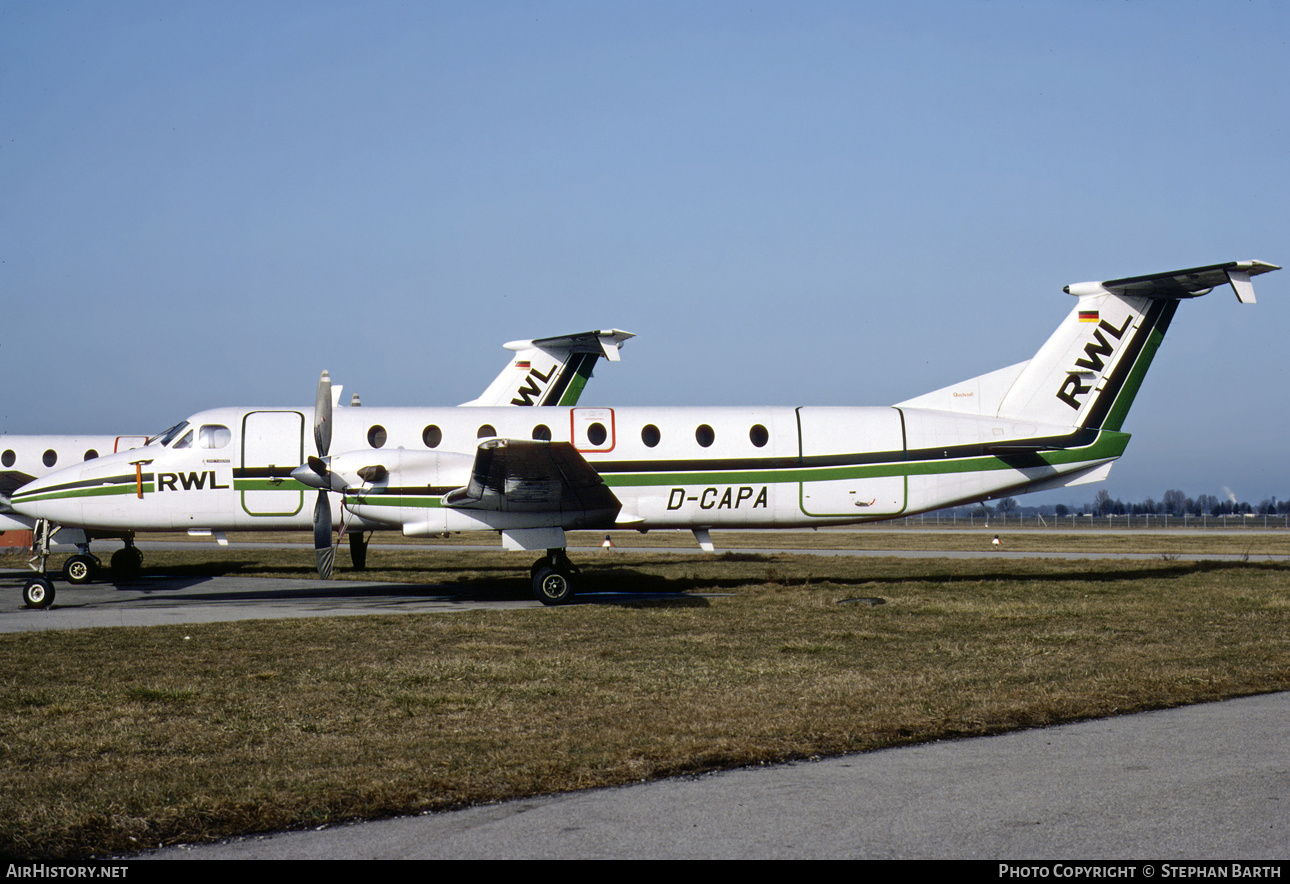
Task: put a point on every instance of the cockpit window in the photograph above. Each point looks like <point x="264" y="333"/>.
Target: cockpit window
<point x="164" y="437"/>
<point x="213" y="436"/>
<point x="185" y="442"/>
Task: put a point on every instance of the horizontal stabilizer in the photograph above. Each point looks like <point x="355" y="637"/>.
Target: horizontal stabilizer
<point x="1189" y="283"/>
<point x="606" y="343"/>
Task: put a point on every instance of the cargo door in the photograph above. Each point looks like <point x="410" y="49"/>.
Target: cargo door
<point x="853" y="462"/>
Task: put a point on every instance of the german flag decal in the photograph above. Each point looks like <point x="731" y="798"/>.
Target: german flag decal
<point x="1088" y="316"/>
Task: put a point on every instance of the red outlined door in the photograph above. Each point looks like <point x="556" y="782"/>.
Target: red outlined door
<point x="592" y="429"/>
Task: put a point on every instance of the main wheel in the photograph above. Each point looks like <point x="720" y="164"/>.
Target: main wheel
<point x="552" y="587"/>
<point x="80" y="569"/>
<point x="358" y="550"/>
<point x="38" y="593"/>
<point x="126" y="562"/>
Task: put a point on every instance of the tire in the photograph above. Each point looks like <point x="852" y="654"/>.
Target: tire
<point x="80" y="569"/>
<point x="552" y="587"/>
<point x="38" y="592"/>
<point x="126" y="562"/>
<point x="358" y="550"/>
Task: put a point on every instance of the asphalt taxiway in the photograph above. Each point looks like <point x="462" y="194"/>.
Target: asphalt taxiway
<point x="158" y="599"/>
<point x="1206" y="782"/>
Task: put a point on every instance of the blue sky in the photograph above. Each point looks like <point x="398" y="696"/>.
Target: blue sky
<point x="204" y="204"/>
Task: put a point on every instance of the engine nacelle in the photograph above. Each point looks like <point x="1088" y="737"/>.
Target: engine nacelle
<point x="399" y="468"/>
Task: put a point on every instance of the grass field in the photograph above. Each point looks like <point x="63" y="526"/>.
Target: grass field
<point x="119" y="739"/>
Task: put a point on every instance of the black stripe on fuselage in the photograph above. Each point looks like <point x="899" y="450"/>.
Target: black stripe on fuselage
<point x="274" y="472"/>
<point x="403" y="491"/>
<point x="1016" y="449"/>
<point x="126" y="479"/>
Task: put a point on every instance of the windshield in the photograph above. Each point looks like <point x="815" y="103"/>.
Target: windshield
<point x="164" y="437"/>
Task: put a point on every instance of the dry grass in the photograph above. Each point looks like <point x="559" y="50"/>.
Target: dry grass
<point x="115" y="740"/>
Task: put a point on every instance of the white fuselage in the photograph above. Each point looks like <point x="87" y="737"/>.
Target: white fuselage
<point x="229" y="469"/>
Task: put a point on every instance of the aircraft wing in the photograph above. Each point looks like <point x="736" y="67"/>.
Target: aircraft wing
<point x="526" y="476"/>
<point x="12" y="480"/>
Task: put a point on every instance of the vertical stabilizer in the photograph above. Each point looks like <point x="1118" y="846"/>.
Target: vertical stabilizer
<point x="1090" y="369"/>
<point x="1099" y="353"/>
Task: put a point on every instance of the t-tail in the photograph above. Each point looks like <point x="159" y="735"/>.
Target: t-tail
<point x="1089" y="371"/>
<point x="551" y="371"/>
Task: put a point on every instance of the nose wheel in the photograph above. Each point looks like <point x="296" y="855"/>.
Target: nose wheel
<point x="38" y="592"/>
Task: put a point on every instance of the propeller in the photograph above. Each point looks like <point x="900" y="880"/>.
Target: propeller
<point x="323" y="549"/>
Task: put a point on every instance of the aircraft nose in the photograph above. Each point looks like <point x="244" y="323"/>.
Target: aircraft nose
<point x="62" y="496"/>
<point x="40" y="498"/>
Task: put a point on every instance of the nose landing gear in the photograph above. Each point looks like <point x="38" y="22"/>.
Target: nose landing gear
<point x="79" y="569"/>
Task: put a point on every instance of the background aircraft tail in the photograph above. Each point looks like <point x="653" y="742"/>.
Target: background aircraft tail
<point x="551" y="371"/>
<point x="1090" y="369"/>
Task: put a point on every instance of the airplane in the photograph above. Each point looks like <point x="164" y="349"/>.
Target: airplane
<point x="1052" y="421"/>
<point x="541" y="371"/>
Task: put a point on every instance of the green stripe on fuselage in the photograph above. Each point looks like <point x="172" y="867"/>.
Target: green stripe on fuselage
<point x="100" y="490"/>
<point x="1107" y="446"/>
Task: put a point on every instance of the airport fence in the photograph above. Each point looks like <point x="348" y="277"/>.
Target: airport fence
<point x="1074" y="521"/>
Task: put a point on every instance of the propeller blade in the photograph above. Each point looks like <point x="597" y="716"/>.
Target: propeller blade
<point x="323" y="550"/>
<point x="322" y="414"/>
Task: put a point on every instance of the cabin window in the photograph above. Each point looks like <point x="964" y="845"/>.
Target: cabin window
<point x="650" y="435"/>
<point x="8" y="458"/>
<point x="705" y="435"/>
<point x="214" y="436"/>
<point x="485" y="432"/>
<point x="759" y="435"/>
<point x="432" y="436"/>
<point x="49" y="458"/>
<point x="597" y="434"/>
<point x="376" y="436"/>
<point x="90" y="454"/>
<point x="542" y="433"/>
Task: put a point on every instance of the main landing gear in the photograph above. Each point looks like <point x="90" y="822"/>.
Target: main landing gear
<point x="554" y="578"/>
<point x="127" y="561"/>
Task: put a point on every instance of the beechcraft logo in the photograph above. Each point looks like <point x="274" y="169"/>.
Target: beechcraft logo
<point x="1073" y="388"/>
